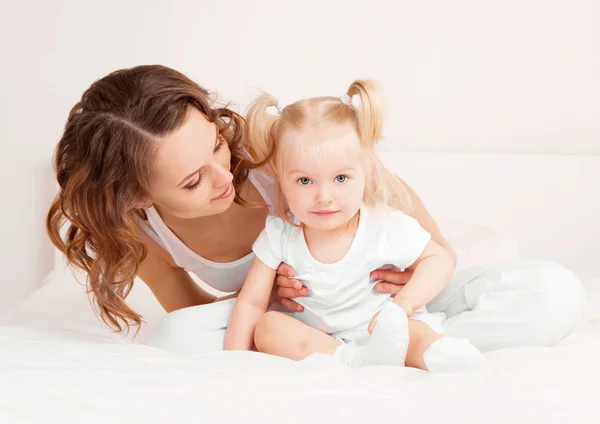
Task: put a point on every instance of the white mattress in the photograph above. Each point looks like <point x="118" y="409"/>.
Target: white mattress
<point x="78" y="372"/>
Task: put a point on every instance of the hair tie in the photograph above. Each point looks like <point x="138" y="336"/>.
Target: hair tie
<point x="353" y="100"/>
<point x="274" y="110"/>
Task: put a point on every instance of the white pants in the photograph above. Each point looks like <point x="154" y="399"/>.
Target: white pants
<point x="512" y="305"/>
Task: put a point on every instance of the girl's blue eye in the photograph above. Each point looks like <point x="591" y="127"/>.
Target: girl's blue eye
<point x="304" y="181"/>
<point x="341" y="178"/>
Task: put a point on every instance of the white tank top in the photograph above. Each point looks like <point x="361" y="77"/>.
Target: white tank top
<point x="222" y="276"/>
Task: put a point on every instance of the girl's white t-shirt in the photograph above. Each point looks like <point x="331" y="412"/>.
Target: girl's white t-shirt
<point x="341" y="295"/>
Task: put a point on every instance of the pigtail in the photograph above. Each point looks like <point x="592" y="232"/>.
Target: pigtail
<point x="370" y="111"/>
<point x="382" y="186"/>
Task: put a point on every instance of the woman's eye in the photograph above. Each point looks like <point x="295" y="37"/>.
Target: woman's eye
<point x="304" y="181"/>
<point x="219" y="143"/>
<point x="195" y="184"/>
<point x="341" y="178"/>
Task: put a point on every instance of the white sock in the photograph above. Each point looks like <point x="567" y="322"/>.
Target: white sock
<point x="448" y="354"/>
<point x="387" y="345"/>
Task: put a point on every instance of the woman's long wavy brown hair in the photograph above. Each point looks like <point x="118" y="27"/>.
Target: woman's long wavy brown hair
<point x="102" y="168"/>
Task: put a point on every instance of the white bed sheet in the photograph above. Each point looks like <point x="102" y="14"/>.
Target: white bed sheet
<point x="85" y="374"/>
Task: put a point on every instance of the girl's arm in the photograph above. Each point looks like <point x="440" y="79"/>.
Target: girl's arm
<point x="251" y="304"/>
<point x="432" y="271"/>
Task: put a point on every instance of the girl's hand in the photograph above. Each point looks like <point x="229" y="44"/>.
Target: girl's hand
<point x="393" y="281"/>
<point x="287" y="287"/>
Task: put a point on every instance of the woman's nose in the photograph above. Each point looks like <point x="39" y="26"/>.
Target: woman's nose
<point x="222" y="176"/>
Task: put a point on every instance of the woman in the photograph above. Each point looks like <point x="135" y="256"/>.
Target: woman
<point x="156" y="183"/>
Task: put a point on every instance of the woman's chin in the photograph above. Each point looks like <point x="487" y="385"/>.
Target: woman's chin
<point x="219" y="206"/>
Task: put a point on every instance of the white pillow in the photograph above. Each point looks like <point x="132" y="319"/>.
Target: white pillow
<point x="62" y="303"/>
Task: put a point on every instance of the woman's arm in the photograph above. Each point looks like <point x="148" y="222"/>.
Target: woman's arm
<point x="251" y="304"/>
<point x="172" y="286"/>
<point x="420" y="213"/>
<point x="432" y="271"/>
<point x="393" y="281"/>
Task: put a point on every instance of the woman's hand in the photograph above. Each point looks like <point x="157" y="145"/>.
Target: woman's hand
<point x="393" y="281"/>
<point x="287" y="287"/>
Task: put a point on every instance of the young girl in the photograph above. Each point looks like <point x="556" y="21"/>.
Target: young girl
<point x="340" y="217"/>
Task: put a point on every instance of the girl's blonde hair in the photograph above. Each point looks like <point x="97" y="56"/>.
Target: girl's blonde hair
<point x="381" y="186"/>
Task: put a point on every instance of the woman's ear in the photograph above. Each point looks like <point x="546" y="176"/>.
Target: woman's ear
<point x="144" y="203"/>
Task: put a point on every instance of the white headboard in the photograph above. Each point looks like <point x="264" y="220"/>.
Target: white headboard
<point x="549" y="203"/>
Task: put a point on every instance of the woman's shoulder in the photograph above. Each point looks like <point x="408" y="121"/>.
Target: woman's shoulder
<point x="154" y="245"/>
<point x="263" y="177"/>
<point x="267" y="186"/>
<point x="275" y="224"/>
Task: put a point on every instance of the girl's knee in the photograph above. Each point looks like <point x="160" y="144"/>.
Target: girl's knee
<point x="280" y="335"/>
